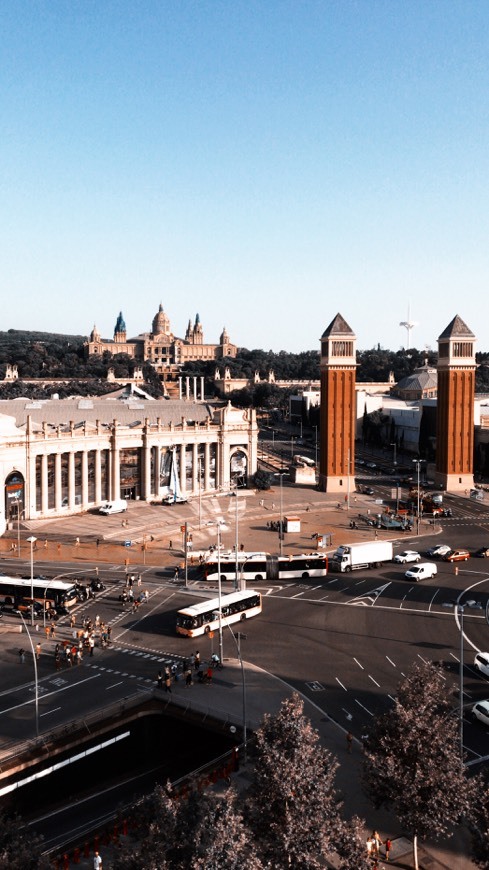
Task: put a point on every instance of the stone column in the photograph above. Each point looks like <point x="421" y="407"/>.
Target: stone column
<point x="84" y="480"/>
<point x="57" y="482"/>
<point x="71" y="480"/>
<point x="44" y="484"/>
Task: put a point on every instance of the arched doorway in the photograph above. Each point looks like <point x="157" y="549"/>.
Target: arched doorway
<point x="238" y="472"/>
<point x="14" y="496"/>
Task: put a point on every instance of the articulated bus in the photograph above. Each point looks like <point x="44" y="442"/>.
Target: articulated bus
<point x="16" y="592"/>
<point x="262" y="566"/>
<point x="204" y="617"/>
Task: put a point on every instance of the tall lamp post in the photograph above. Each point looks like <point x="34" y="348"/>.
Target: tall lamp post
<point x="36" y="683"/>
<point x="280" y="475"/>
<point x="418" y="464"/>
<point x="32" y="540"/>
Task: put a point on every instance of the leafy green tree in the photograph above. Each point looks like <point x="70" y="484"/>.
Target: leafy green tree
<point x="20" y="848"/>
<point x="350" y="845"/>
<point x="292" y="806"/>
<point x="412" y="762"/>
<point x="480" y="825"/>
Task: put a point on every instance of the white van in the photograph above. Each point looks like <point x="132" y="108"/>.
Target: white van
<point x="117" y="506"/>
<point x="422" y="571"/>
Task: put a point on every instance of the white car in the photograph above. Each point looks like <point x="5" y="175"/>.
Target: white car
<point x="423" y="571"/>
<point x="480" y="711"/>
<point x="481" y="662"/>
<point x="407" y="556"/>
<point x="439" y="550"/>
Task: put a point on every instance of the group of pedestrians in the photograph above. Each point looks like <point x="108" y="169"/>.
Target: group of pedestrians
<point x="193" y="670"/>
<point x="374" y="843"/>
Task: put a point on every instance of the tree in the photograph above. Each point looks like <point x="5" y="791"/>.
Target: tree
<point x="292" y="806"/>
<point x="480" y="824"/>
<point x="203" y="830"/>
<point x="412" y="761"/>
<point x="350" y="845"/>
<point x="20" y="847"/>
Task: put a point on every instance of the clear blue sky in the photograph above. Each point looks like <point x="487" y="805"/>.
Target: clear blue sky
<point x="265" y="164"/>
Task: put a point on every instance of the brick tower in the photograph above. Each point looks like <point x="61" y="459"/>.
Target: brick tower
<point x="338" y="408"/>
<point x="455" y="407"/>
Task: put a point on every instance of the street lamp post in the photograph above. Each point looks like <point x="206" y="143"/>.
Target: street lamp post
<point x="418" y="464"/>
<point x="237" y="639"/>
<point x="32" y="540"/>
<point x="394" y="445"/>
<point x="36" y="683"/>
<point x="280" y="475"/>
<point x="219" y="590"/>
<point x="460" y="610"/>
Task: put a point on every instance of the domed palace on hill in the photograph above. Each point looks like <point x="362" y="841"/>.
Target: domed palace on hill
<point x="161" y="347"/>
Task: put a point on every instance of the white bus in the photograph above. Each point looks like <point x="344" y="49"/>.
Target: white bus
<point x="262" y="566"/>
<point x="16" y="592"/>
<point x="203" y="618"/>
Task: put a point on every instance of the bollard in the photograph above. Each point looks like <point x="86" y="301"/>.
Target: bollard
<point x="76" y="856"/>
<point x="86" y="849"/>
<point x="96" y="843"/>
<point x="124" y="828"/>
<point x="66" y="862"/>
<point x="115" y="835"/>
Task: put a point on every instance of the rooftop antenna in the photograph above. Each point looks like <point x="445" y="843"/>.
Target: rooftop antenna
<point x="408" y="326"/>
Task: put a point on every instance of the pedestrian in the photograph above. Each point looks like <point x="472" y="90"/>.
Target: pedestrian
<point x="170" y="545"/>
<point x="46" y="544"/>
<point x="98" y="543"/>
<point x="21" y="656"/>
<point x="97" y="621"/>
<point x="370" y="847"/>
<point x="377" y="842"/>
<point x="175" y="576"/>
<point x="188" y="678"/>
<point x="109" y="633"/>
<point x="159" y="680"/>
<point x="72" y="620"/>
<point x="57" y="660"/>
<point x="168" y="683"/>
<point x="77" y="542"/>
<point x="91" y="644"/>
<point x="241" y="548"/>
<point x="197" y="660"/>
<point x="97" y="861"/>
<point x="38" y="651"/>
<point x="79" y="656"/>
<point x="139" y="579"/>
<point x="387" y="847"/>
<point x="349" y="741"/>
<point x="208" y="675"/>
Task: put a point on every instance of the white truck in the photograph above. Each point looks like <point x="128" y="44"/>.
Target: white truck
<point x="370" y="554"/>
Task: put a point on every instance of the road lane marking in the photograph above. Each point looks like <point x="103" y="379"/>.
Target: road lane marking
<point x="55" y="692"/>
<point x="48" y="712"/>
<point x="363" y="708"/>
<point x="114" y="685"/>
<point x="391" y="662"/>
<point x="358" y="663"/>
<point x="373" y="681"/>
<point x="341" y="684"/>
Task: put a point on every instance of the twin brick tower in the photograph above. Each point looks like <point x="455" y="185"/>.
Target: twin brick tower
<point x="454" y="413"/>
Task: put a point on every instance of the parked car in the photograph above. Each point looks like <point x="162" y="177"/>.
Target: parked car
<point x="480" y="711"/>
<point x="481" y="663"/>
<point x="477" y="494"/>
<point x="407" y="556"/>
<point x="459" y="555"/>
<point x="368" y="490"/>
<point x="423" y="571"/>
<point x="371" y="465"/>
<point x="482" y="553"/>
<point x="438" y="551"/>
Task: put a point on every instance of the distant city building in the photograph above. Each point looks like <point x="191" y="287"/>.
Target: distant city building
<point x="161" y="347"/>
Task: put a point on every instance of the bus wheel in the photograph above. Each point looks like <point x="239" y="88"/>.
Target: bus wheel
<point x="305" y="575"/>
<point x="207" y="629"/>
<point x="258" y="577"/>
<point x="243" y="617"/>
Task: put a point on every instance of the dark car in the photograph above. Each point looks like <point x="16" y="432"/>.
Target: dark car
<point x="368" y="490"/>
<point x="482" y="553"/>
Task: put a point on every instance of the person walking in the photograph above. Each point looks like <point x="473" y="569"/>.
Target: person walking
<point x="387" y="847"/>
<point x="168" y="682"/>
<point x="91" y="644"/>
<point x="38" y="651"/>
<point x="197" y="660"/>
<point x="22" y="656"/>
<point x="349" y="741"/>
<point x="97" y="861"/>
<point x="159" y="680"/>
<point x="188" y="678"/>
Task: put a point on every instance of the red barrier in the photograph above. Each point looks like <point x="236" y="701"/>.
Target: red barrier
<point x="66" y="862"/>
<point x="96" y="843"/>
<point x="86" y="850"/>
<point x="124" y="828"/>
<point x="115" y="834"/>
<point x="76" y="856"/>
